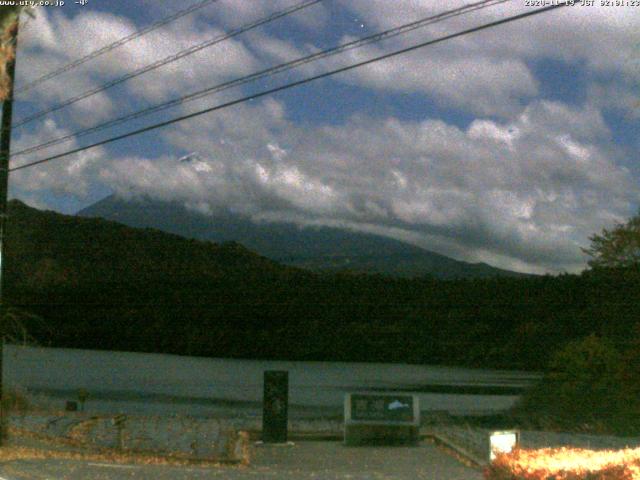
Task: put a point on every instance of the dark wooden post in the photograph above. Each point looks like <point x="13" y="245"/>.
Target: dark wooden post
<point x="275" y="407"/>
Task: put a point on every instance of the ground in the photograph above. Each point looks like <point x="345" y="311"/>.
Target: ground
<point x="305" y="460"/>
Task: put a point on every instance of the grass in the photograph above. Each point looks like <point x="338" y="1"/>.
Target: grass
<point x="20" y="401"/>
<point x="26" y="445"/>
<point x="16" y="401"/>
<point x="12" y="453"/>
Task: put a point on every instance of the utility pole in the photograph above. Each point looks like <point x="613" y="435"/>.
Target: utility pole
<point x="5" y="149"/>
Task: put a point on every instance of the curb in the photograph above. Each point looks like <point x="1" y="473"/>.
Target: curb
<point x="463" y="452"/>
<point x="256" y="435"/>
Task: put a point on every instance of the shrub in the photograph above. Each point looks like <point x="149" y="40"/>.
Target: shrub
<point x="565" y="464"/>
<point x="15" y="401"/>
<point x="582" y="390"/>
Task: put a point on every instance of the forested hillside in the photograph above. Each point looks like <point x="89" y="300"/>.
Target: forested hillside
<point x="99" y="284"/>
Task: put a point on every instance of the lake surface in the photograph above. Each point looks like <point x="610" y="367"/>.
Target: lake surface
<point x="166" y="384"/>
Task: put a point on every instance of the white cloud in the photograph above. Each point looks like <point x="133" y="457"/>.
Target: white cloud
<point x="71" y="176"/>
<point x="523" y="194"/>
<point x="50" y="41"/>
<point x="211" y="65"/>
<point x="619" y="96"/>
<point x="59" y="45"/>
<point x="233" y="13"/>
<point x="486" y="72"/>
<point x="481" y="84"/>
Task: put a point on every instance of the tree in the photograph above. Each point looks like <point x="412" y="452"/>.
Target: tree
<point x="618" y="247"/>
<point x="9" y="18"/>
<point x="8" y="22"/>
<point x="19" y="327"/>
<point x="7" y="15"/>
<point x="630" y="372"/>
<point x="582" y="389"/>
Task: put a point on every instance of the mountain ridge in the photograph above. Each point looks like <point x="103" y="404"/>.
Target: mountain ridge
<point x="317" y="248"/>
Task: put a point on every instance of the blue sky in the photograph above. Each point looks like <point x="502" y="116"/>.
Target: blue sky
<point x="509" y="146"/>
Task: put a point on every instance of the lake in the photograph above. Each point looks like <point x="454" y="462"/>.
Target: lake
<point x="169" y="384"/>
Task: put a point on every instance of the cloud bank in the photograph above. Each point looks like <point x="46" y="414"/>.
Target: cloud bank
<point x="521" y="185"/>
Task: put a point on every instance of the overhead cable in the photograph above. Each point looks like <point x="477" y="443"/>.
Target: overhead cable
<point x="295" y="84"/>
<point x="114" y="45"/>
<point x="390" y="33"/>
<point x="165" y="61"/>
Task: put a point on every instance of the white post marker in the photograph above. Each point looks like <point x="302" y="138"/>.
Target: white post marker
<point x="502" y="442"/>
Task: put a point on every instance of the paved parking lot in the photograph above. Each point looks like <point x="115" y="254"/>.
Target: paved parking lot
<point x="306" y="460"/>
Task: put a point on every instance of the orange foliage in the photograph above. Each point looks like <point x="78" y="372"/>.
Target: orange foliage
<point x="7" y="53"/>
<point x="565" y="464"/>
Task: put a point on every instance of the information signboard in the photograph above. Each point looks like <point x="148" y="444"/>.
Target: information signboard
<point x="387" y="408"/>
<point x="387" y="417"/>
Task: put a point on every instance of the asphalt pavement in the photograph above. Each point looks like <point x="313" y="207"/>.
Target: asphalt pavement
<point x="304" y="460"/>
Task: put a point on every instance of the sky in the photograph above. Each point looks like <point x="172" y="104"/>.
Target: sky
<point x="510" y="146"/>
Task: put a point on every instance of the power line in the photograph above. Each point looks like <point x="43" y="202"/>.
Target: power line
<point x="167" y="60"/>
<point x="116" y="44"/>
<point x="393" y="32"/>
<point x="294" y="84"/>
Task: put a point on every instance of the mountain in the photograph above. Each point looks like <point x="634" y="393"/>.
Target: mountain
<point x="314" y="248"/>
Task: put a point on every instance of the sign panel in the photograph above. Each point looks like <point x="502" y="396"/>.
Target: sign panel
<point x="395" y="408"/>
<point x="381" y="418"/>
<point x="275" y="406"/>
